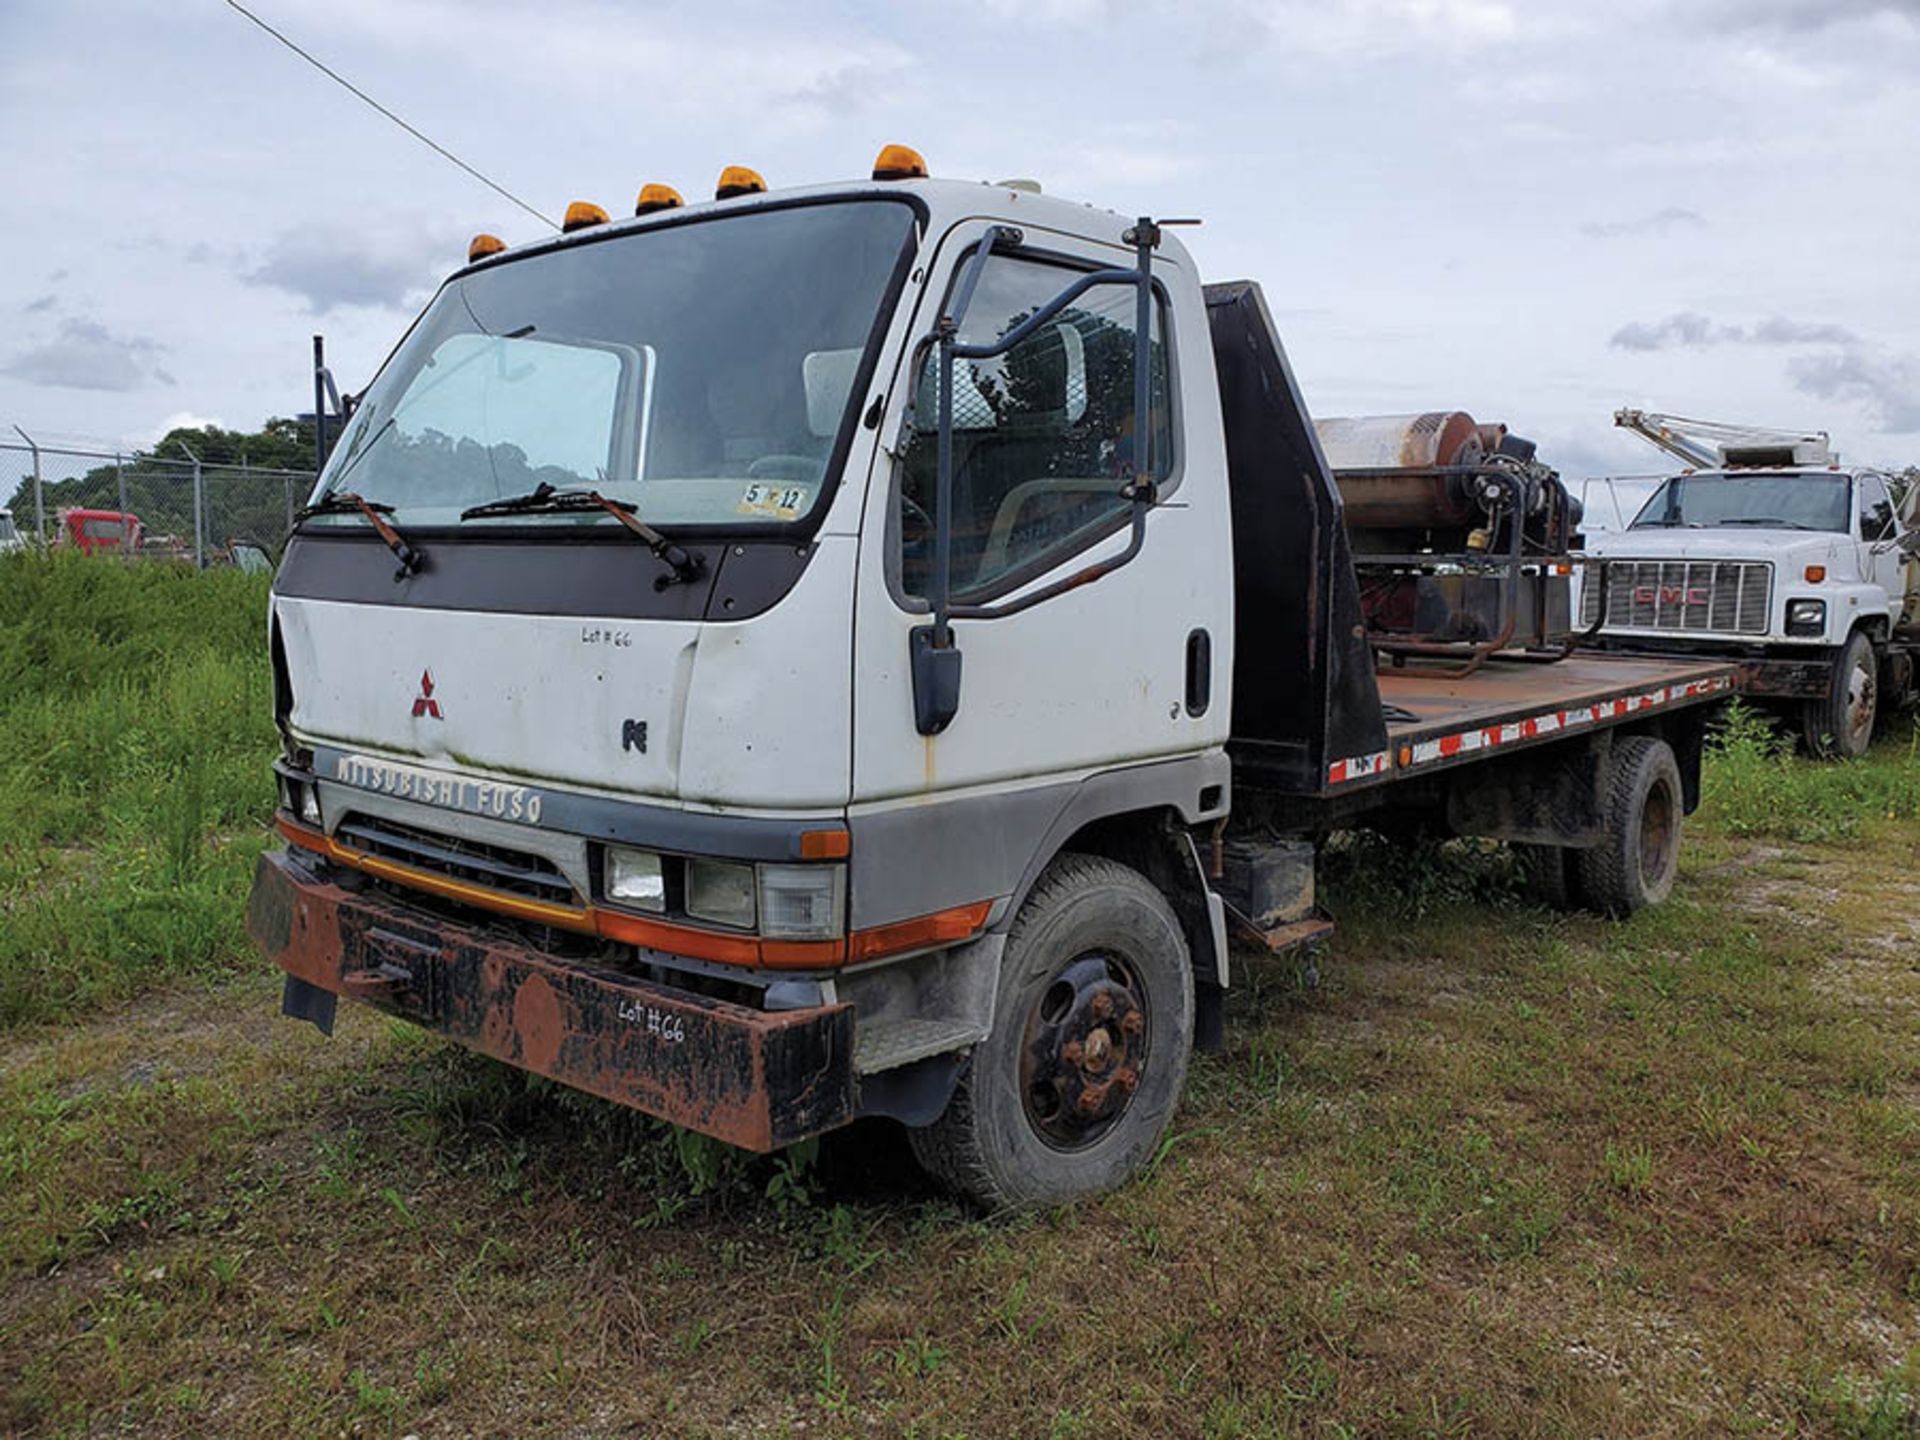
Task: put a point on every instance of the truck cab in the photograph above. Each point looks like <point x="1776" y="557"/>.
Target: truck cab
<point x="1795" y="571"/>
<point x="805" y="655"/>
<point x="10" y="536"/>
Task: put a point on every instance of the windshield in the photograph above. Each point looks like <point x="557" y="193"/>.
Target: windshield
<point x="1781" y="502"/>
<point x="701" y="372"/>
<point x="7" y="532"/>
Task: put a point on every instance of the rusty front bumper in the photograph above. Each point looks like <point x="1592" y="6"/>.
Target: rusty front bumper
<point x="754" y="1078"/>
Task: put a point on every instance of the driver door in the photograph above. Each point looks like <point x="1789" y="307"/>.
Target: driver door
<point x="1043" y="441"/>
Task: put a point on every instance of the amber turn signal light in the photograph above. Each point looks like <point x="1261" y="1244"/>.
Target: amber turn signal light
<point x="1815" y="574"/>
<point x="739" y="180"/>
<point x="482" y="246"/>
<point x="581" y="214"/>
<point x="899" y="162"/>
<point x="657" y="197"/>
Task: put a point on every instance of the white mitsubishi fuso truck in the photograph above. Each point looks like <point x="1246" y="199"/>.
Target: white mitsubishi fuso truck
<point x="861" y="650"/>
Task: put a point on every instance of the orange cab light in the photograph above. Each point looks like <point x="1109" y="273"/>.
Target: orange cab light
<point x="825" y="844"/>
<point x="654" y="197"/>
<point x="739" y="180"/>
<point x="581" y="214"/>
<point x="483" y="245"/>
<point x="944" y="925"/>
<point x="1815" y="574"/>
<point x="899" y="162"/>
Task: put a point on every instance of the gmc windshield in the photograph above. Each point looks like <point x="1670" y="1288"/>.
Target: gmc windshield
<point x="1781" y="502"/>
<point x="701" y="373"/>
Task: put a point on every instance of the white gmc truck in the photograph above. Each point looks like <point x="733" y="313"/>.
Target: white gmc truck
<point x="858" y="650"/>
<point x="1768" y="554"/>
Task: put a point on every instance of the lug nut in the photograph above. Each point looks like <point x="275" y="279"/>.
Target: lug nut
<point x="1126" y="1079"/>
<point x="1102" y="1006"/>
<point x="1072" y="1052"/>
<point x="1134" y="1023"/>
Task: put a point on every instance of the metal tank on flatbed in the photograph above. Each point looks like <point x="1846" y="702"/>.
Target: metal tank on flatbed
<point x="1463" y="537"/>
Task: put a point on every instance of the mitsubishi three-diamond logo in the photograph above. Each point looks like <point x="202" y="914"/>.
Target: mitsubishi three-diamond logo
<point x="424" y="704"/>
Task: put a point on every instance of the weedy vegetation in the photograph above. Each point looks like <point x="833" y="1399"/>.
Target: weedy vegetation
<point x="135" y="722"/>
<point x="1481" y="1169"/>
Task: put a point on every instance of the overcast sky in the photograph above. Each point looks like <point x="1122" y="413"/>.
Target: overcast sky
<point x="1535" y="211"/>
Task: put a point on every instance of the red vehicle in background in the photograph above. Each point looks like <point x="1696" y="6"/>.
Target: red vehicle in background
<point x="97" y="530"/>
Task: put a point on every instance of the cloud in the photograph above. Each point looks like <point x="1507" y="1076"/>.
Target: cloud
<point x="39" y="306"/>
<point x="1689" y="331"/>
<point x="328" y="266"/>
<point x="1804" y="15"/>
<point x="1888" y="388"/>
<point x="1660" y="222"/>
<point x="85" y="355"/>
<point x="784" y="59"/>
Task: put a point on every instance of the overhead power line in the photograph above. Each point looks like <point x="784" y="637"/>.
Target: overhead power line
<point x="438" y="149"/>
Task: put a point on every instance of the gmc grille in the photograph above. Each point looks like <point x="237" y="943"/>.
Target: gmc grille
<point x="492" y="867"/>
<point x="1720" y="596"/>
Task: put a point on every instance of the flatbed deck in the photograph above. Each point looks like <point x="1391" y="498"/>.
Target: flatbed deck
<point x="1434" y="722"/>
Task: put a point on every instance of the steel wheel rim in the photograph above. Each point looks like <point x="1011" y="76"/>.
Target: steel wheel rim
<point x="1860" y="703"/>
<point x="1084" y="1050"/>
<point x="1658" y="827"/>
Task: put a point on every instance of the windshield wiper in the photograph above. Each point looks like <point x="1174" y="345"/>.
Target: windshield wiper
<point x="346" y="502"/>
<point x="548" y="499"/>
<point x="1772" y="522"/>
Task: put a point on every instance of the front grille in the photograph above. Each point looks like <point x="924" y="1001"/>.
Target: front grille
<point x="492" y="867"/>
<point x="1729" y="597"/>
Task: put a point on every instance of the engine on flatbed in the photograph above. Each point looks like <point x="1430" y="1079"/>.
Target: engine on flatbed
<point x="1463" y="539"/>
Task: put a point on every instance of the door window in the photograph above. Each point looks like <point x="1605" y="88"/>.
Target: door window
<point x="1043" y="436"/>
<point x="1876" y="510"/>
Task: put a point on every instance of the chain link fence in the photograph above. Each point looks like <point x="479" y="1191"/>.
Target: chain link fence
<point x="174" y="508"/>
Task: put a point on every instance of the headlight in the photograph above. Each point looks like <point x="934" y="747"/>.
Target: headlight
<point x="801" y="902"/>
<point x="1806" y="617"/>
<point x="634" y="877"/>
<point x="721" y="892"/>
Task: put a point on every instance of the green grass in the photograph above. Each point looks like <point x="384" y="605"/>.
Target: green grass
<point x="135" y="732"/>
<point x="1756" y="786"/>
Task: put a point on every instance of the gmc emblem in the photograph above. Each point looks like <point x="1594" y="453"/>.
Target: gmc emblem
<point x="1669" y="595"/>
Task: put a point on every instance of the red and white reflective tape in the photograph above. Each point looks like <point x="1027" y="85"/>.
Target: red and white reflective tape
<point x="1359" y="767"/>
<point x="1531" y="727"/>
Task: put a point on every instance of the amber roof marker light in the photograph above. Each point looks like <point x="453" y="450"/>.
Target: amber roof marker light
<point x="581" y="214"/>
<point x="484" y="245"/>
<point x="739" y="180"/>
<point x="657" y="197"/>
<point x="899" y="162"/>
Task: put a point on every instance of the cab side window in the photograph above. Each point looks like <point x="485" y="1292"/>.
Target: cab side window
<point x="1876" y="510"/>
<point x="1043" y="436"/>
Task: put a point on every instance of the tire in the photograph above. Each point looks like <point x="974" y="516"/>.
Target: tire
<point x="1546" y="876"/>
<point x="1840" y="727"/>
<point x="1093" y="947"/>
<point x="1634" y="864"/>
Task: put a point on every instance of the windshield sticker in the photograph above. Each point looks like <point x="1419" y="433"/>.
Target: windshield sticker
<point x="773" y="502"/>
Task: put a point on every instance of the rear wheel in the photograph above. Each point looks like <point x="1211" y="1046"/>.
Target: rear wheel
<point x="1639" y="854"/>
<point x="1840" y="726"/>
<point x="1092" y="1031"/>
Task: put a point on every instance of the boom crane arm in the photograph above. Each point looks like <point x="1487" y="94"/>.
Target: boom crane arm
<point x="1710" y="444"/>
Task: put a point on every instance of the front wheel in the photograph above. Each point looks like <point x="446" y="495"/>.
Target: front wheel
<point x="1092" y="1031"/>
<point x="1840" y="726"/>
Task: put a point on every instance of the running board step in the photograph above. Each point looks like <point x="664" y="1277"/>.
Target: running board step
<point x="889" y="1044"/>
